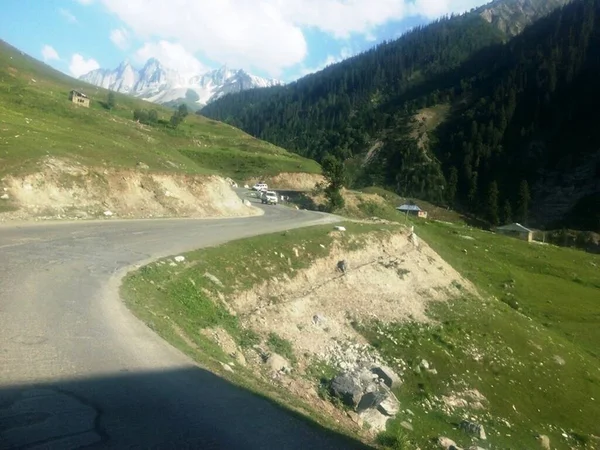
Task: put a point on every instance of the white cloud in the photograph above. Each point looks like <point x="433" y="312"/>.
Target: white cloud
<point x="266" y="34"/>
<point x="67" y="15"/>
<point x="345" y="53"/>
<point x="120" y="37"/>
<point x="49" y="53"/>
<point x="80" y="66"/>
<point x="173" y="56"/>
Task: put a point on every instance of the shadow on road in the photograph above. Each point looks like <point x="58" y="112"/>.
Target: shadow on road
<point x="179" y="408"/>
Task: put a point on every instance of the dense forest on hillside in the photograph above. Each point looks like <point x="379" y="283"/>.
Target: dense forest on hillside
<point x="521" y="140"/>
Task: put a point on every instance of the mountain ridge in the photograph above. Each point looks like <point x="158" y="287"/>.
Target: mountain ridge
<point x="160" y="84"/>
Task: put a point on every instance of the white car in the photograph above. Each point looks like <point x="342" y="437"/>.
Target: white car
<point x="261" y="187"/>
<point x="269" y="198"/>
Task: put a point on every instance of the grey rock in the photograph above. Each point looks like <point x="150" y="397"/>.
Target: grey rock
<point x="341" y="266"/>
<point x="390" y="406"/>
<point x="4" y="197"/>
<point x="278" y="363"/>
<point x="375" y="419"/>
<point x="214" y="279"/>
<point x="406" y="426"/>
<point x="424" y="364"/>
<point x="371" y="400"/>
<point x="446" y="443"/>
<point x="389" y="377"/>
<point x="544" y="441"/>
<point x="318" y="319"/>
<point x="473" y="428"/>
<point x="142" y="165"/>
<point x="347" y="388"/>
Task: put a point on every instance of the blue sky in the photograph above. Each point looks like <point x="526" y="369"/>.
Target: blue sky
<point x="283" y="39"/>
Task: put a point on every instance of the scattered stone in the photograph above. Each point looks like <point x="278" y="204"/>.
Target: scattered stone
<point x="247" y="203"/>
<point x="142" y="165"/>
<point x="476" y="447"/>
<point x="424" y="364"/>
<point x="375" y="419"/>
<point x="214" y="279"/>
<point x="340" y="228"/>
<point x="559" y="360"/>
<point x="473" y="428"/>
<point x="179" y="259"/>
<point x="318" y="319"/>
<point x="321" y="245"/>
<point x="446" y="443"/>
<point x="348" y="388"/>
<point x="341" y="266"/>
<point x="4" y="197"/>
<point x="246" y="186"/>
<point x="173" y="264"/>
<point x="108" y="213"/>
<point x="227" y="367"/>
<point x="278" y="363"/>
<point x="409" y="412"/>
<point x="406" y="425"/>
<point x="296" y="252"/>
<point x="389" y="377"/>
<point x="544" y="441"/>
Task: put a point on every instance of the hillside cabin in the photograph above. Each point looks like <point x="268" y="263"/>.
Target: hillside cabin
<point x="516" y="230"/>
<point x="79" y="98"/>
<point x="413" y="210"/>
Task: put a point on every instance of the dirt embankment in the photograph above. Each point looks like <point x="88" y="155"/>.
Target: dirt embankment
<point x="65" y="190"/>
<point x="292" y="181"/>
<point x="398" y="278"/>
<point x="379" y="280"/>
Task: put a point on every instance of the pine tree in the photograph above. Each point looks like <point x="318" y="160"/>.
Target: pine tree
<point x="111" y="101"/>
<point x="335" y="174"/>
<point x="506" y="212"/>
<point x="523" y="202"/>
<point x="452" y="186"/>
<point x="492" y="203"/>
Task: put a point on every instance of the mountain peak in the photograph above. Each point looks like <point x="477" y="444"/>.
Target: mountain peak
<point x="159" y="84"/>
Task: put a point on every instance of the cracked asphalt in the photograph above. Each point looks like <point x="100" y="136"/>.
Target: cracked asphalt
<point x="77" y="369"/>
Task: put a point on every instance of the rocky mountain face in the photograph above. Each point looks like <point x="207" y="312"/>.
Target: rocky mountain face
<point x="159" y="84"/>
<point x="512" y="16"/>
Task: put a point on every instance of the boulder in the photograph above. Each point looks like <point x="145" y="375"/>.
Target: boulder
<point x="389" y="377"/>
<point x="347" y="388"/>
<point x="179" y="259"/>
<point x="278" y="363"/>
<point x="375" y="419"/>
<point x="143" y="166"/>
<point x="424" y="364"/>
<point x="389" y="405"/>
<point x="371" y="400"/>
<point x="473" y="428"/>
<point x="4" y="197"/>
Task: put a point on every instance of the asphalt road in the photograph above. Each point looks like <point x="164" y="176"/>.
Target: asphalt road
<point x="77" y="369"/>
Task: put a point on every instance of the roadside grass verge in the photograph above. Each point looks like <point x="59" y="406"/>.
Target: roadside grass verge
<point x="178" y="300"/>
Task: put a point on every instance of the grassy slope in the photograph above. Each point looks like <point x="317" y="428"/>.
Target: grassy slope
<point x="178" y="301"/>
<point x="37" y="119"/>
<point x="541" y="303"/>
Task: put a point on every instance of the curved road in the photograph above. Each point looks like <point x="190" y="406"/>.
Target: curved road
<point x="78" y="370"/>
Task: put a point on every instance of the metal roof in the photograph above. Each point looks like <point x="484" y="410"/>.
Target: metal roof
<point x="408" y="208"/>
<point x="81" y="94"/>
<point x="515" y="227"/>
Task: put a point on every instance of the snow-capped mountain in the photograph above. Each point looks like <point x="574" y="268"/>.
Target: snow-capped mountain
<point x="158" y="84"/>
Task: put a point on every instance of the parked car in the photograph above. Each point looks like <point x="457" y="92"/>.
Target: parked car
<point x="261" y="187"/>
<point x="269" y="198"/>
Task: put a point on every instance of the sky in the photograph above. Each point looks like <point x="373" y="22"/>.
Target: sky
<point x="283" y="39"/>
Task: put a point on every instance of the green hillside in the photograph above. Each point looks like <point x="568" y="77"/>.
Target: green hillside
<point x="518" y="139"/>
<point x="38" y="120"/>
